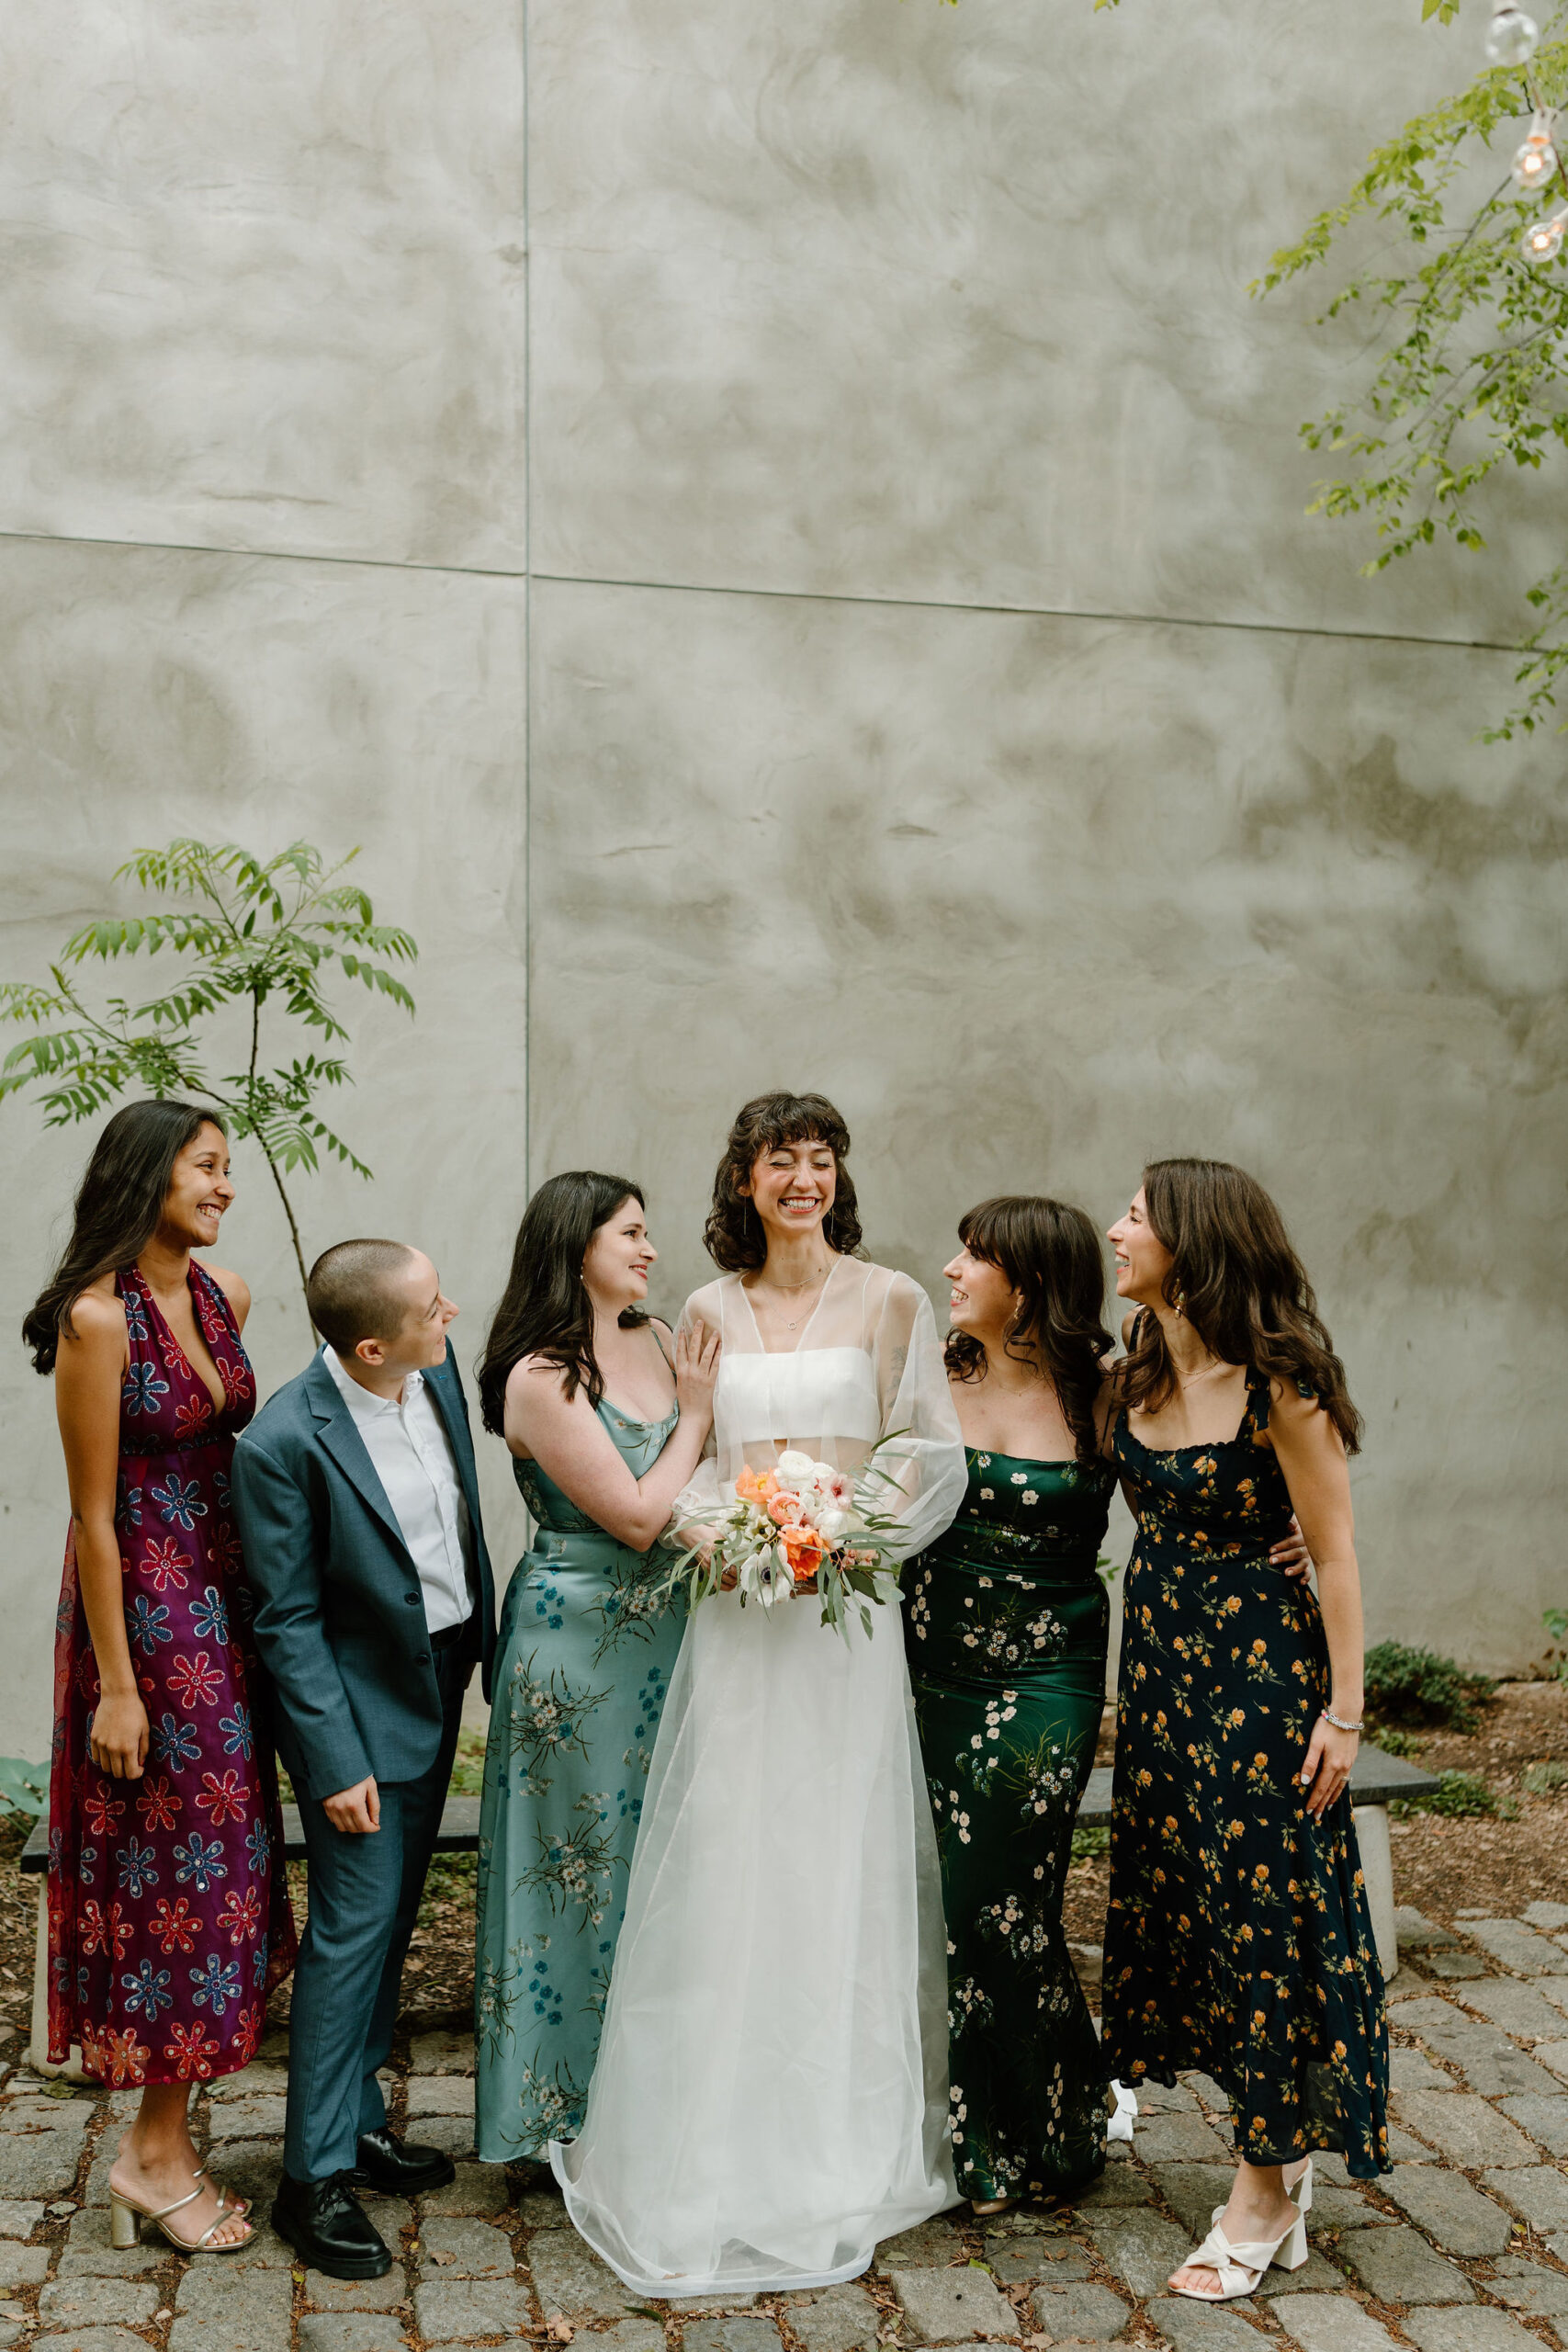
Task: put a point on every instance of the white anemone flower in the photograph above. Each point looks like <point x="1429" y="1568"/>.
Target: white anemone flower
<point x="774" y="1581"/>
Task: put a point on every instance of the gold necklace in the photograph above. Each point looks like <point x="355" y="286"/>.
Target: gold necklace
<point x="820" y="1277"/>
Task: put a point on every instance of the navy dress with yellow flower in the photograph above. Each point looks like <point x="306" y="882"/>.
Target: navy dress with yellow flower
<point x="1006" y="1625"/>
<point x="1237" y="1937"/>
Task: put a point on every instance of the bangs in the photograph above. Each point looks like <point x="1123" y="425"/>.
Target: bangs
<point x="778" y="1119"/>
<point x="981" y="1230"/>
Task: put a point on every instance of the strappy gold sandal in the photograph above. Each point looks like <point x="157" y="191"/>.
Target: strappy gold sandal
<point x="241" y="2205"/>
<point x="125" y="2217"/>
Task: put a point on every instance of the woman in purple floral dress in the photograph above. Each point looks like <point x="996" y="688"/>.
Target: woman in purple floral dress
<point x="169" y="1919"/>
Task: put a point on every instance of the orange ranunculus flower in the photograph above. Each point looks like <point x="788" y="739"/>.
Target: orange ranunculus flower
<point x="803" y="1549"/>
<point x="785" y="1509"/>
<point x="752" y="1487"/>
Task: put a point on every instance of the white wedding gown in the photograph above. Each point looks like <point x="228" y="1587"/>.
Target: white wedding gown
<point x="770" y="2093"/>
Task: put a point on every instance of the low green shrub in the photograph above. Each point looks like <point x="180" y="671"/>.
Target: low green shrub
<point x="1462" y="1797"/>
<point x="1400" y="1743"/>
<point x="1088" y="1843"/>
<point x="1544" y="1779"/>
<point x="1556" y="1623"/>
<point x="1406" y="1686"/>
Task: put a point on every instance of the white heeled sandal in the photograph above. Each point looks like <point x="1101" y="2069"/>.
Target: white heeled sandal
<point x="1238" y="2269"/>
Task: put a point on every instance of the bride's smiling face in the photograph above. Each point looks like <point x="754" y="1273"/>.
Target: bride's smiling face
<point x="792" y="1187"/>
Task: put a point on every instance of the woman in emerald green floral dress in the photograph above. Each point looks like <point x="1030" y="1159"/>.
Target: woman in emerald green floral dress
<point x="605" y="1419"/>
<point x="1238" y="1938"/>
<point x="1006" y="1625"/>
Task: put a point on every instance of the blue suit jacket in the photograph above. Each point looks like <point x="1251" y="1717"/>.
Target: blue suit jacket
<point x="340" y="1617"/>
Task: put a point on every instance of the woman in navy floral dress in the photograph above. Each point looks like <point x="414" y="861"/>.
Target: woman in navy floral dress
<point x="1237" y="1937"/>
<point x="169" y="1919"/>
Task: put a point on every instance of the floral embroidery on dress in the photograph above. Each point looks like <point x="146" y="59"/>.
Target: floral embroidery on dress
<point x="1006" y="1625"/>
<point x="583" y="1665"/>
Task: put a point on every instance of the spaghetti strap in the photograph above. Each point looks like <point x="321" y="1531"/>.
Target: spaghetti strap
<point x="659" y="1343"/>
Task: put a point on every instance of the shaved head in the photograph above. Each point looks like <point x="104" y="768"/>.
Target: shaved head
<point x="358" y="1290"/>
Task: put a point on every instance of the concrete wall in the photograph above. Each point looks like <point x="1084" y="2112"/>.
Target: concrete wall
<point x="781" y="532"/>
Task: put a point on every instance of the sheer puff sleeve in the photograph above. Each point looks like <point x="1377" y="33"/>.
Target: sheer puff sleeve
<point x="926" y="1459"/>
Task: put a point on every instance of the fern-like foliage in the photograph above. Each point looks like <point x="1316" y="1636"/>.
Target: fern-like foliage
<point x="269" y="933"/>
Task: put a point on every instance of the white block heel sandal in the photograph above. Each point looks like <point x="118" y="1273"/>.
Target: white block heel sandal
<point x="1238" y="2269"/>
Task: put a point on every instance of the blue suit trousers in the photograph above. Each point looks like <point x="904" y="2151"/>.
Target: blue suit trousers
<point x="365" y="1894"/>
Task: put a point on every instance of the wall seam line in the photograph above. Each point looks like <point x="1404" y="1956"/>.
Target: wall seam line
<point x="526" y="576"/>
<point x="527" y="623"/>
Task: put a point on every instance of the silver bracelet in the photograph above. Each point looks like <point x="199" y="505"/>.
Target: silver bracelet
<point x="1339" y="1725"/>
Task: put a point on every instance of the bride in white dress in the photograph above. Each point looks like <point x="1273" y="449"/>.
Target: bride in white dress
<point x="770" y="2093"/>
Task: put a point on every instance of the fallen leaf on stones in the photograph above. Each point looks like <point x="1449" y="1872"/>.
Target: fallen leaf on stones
<point x="163" y="2314"/>
<point x="443" y="2258"/>
<point x="561" y="2330"/>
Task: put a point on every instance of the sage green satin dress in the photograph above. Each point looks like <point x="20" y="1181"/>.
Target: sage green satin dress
<point x="1007" y="1625"/>
<point x="583" y="1664"/>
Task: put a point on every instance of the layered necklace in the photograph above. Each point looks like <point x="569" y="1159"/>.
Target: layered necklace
<point x="811" y="1281"/>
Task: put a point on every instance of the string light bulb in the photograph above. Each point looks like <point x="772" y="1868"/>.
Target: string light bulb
<point x="1537" y="159"/>
<point x="1511" y="37"/>
<point x="1543" y="239"/>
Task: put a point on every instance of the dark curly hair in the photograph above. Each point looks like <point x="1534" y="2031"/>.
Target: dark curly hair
<point x="1051" y="1252"/>
<point x="545" y="1309"/>
<point x="733" y="1234"/>
<point x="1239" y="1284"/>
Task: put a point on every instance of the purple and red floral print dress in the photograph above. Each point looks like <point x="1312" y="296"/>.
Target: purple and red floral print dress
<point x="169" y="1919"/>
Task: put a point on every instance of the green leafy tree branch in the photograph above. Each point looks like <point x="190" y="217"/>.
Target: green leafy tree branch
<point x="255" y="934"/>
<point x="1472" y="343"/>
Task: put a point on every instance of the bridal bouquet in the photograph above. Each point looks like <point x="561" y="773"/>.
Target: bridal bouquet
<point x="800" y="1528"/>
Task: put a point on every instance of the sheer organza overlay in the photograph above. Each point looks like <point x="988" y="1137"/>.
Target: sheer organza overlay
<point x="770" y="2093"/>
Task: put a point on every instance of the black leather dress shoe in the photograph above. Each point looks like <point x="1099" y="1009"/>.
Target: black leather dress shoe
<point x="402" y="2168"/>
<point x="323" y="2221"/>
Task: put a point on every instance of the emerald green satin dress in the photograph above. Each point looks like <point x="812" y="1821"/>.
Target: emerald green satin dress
<point x="1007" y="1625"/>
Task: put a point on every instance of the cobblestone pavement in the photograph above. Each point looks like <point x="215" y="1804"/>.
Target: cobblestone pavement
<point x="1463" y="2248"/>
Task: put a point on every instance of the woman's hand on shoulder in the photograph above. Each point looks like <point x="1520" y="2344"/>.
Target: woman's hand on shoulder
<point x="697" y="1351"/>
<point x="235" y="1289"/>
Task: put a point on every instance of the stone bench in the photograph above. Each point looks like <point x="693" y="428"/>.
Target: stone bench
<point x="1376" y="1779"/>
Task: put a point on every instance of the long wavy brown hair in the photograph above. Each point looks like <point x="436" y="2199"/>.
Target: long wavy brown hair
<point x="1051" y="1252"/>
<point x="545" y="1309"/>
<point x="118" y="1204"/>
<point x="733" y="1234"/>
<point x="1240" y="1284"/>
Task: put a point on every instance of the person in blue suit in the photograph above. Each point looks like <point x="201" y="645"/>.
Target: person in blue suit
<point x="359" y="1513"/>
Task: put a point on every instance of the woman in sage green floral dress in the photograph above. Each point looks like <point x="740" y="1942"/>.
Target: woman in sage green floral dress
<point x="1238" y="1940"/>
<point x="1005" y="1626"/>
<point x="605" y="1423"/>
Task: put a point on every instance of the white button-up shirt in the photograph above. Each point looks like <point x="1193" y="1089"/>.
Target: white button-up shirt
<point x="412" y="1455"/>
